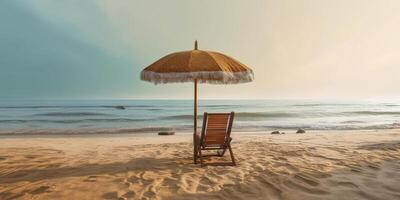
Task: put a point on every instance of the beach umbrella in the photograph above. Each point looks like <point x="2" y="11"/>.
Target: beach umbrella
<point x="197" y="66"/>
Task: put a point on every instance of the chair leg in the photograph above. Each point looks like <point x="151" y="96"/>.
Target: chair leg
<point x="221" y="153"/>
<point x="195" y="149"/>
<point x="232" y="157"/>
<point x="201" y="158"/>
<point x="195" y="152"/>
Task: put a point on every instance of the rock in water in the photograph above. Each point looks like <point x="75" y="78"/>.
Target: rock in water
<point x="275" y="132"/>
<point x="120" y="107"/>
<point x="300" y="131"/>
<point x="166" y="133"/>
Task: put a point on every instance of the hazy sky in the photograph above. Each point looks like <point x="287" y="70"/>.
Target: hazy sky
<point x="298" y="49"/>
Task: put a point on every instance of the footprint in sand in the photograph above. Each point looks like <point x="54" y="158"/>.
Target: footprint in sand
<point x="91" y="179"/>
<point x="110" y="195"/>
<point x="392" y="188"/>
<point x="287" y="166"/>
<point x="374" y="166"/>
<point x="259" y="168"/>
<point x="41" y="189"/>
<point x="205" y="185"/>
<point x="170" y="182"/>
<point x="346" y="184"/>
<point x="299" y="185"/>
<point x="269" y="186"/>
<point x="150" y="193"/>
<point x="321" y="174"/>
<point x="133" y="180"/>
<point x="355" y="168"/>
<point x="128" y="195"/>
<point x="306" y="179"/>
<point x="31" y="156"/>
<point x="9" y="195"/>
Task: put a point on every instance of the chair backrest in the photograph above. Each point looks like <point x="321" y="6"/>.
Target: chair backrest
<point x="216" y="128"/>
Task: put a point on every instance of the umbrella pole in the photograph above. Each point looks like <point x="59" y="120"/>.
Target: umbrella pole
<point x="195" y="122"/>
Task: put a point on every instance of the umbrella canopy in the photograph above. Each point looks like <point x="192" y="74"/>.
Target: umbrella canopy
<point x="202" y="66"/>
<point x="197" y="66"/>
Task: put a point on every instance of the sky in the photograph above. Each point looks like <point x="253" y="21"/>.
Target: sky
<point x="95" y="49"/>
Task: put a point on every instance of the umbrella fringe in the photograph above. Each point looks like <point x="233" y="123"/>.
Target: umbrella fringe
<point x="212" y="77"/>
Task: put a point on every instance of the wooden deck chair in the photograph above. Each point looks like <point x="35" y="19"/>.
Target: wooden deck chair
<point x="215" y="135"/>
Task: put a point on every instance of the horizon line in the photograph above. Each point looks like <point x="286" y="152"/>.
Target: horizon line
<point x="249" y="99"/>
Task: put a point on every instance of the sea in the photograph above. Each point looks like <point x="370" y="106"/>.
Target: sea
<point x="142" y="116"/>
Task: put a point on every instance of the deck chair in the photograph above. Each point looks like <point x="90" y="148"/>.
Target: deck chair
<point x="215" y="135"/>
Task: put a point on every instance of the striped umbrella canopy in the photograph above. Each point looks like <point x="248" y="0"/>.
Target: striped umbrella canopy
<point x="197" y="66"/>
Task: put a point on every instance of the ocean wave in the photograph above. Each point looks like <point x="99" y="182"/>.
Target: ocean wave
<point x="352" y="122"/>
<point x="129" y="106"/>
<point x="391" y="105"/>
<point x="375" y="112"/>
<point x="70" y="121"/>
<point x="39" y="107"/>
<point x="182" y="128"/>
<point x="265" y="114"/>
<point x="241" y="115"/>
<point x="88" y="131"/>
<point x="180" y="117"/>
<point x="324" y="104"/>
<point x="317" y="127"/>
<point x="77" y="106"/>
<point x="71" y="114"/>
<point x="220" y="106"/>
<point x="383" y="126"/>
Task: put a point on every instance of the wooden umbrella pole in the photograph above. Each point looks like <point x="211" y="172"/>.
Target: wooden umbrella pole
<point x="195" y="97"/>
<point x="195" y="122"/>
<point x="195" y="116"/>
<point x="195" y="106"/>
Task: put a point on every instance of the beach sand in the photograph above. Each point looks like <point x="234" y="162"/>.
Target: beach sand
<point x="315" y="165"/>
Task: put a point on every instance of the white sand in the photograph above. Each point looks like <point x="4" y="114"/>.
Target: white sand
<point x="315" y="165"/>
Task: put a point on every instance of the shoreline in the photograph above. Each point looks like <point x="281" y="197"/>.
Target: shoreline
<point x="82" y="132"/>
<point x="187" y="137"/>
